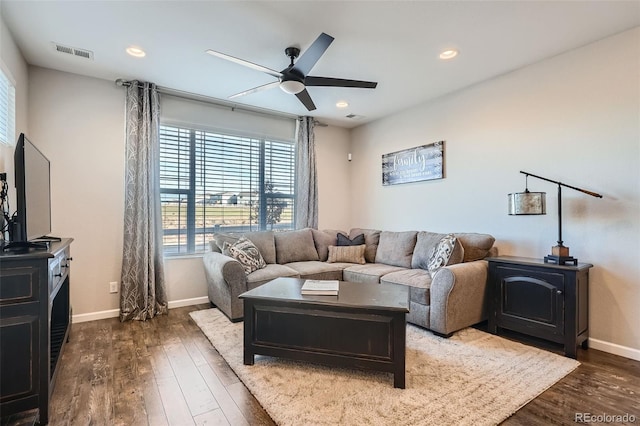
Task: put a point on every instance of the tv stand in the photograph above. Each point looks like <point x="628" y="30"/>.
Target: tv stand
<point x="35" y="319"/>
<point x="24" y="246"/>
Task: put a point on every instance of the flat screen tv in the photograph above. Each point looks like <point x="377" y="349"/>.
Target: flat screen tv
<point x="32" y="220"/>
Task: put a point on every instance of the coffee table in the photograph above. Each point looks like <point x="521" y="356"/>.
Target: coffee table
<point x="364" y="327"/>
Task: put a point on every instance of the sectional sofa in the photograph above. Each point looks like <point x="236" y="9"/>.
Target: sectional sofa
<point x="447" y="293"/>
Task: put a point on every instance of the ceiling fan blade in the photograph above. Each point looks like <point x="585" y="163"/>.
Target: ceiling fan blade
<point x="310" y="56"/>
<point x="245" y="63"/>
<point x="338" y="82"/>
<point x="306" y="100"/>
<point x="256" y="89"/>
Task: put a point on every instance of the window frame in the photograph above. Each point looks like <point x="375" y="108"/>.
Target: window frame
<point x="191" y="193"/>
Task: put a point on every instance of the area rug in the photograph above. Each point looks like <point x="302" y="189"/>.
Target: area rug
<point x="471" y="378"/>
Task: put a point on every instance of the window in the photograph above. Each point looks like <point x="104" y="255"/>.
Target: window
<point x="7" y="109"/>
<point x="215" y="182"/>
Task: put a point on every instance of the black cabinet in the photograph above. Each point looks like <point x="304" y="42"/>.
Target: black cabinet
<point x="540" y="299"/>
<point x="35" y="316"/>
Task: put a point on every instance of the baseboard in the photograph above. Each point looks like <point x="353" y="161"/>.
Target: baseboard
<point x="93" y="316"/>
<point x="188" y="302"/>
<point x="114" y="313"/>
<point x="615" y="349"/>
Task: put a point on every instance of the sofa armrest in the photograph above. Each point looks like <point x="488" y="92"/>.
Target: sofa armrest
<point x="458" y="297"/>
<point x="225" y="281"/>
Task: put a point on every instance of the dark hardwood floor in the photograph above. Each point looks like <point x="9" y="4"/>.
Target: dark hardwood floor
<point x="165" y="372"/>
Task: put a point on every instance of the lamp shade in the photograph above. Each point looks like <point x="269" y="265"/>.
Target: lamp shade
<point x="527" y="203"/>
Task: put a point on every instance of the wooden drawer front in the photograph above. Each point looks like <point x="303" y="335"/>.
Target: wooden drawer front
<point x="58" y="270"/>
<point x="19" y="285"/>
<point x="18" y="351"/>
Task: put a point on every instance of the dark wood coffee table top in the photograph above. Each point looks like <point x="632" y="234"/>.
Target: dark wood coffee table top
<point x="391" y="297"/>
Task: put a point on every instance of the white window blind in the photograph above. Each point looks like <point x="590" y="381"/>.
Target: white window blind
<point x="219" y="182"/>
<point x="7" y="109"/>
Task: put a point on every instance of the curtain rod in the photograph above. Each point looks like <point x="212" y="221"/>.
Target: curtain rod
<point x="210" y="100"/>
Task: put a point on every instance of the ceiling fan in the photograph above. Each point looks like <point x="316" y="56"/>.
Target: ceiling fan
<point x="294" y="79"/>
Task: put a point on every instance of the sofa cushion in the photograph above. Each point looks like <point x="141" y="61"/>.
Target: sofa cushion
<point x="265" y="242"/>
<point x="396" y="248"/>
<point x="356" y="240"/>
<point x="295" y="246"/>
<point x="317" y="270"/>
<point x="426" y="242"/>
<point x="368" y="273"/>
<point x="245" y="252"/>
<point x="476" y="246"/>
<point x="322" y="241"/>
<point x="448" y="251"/>
<point x="270" y="272"/>
<point x="221" y="238"/>
<point x="214" y="247"/>
<point x="371" y="239"/>
<point x="418" y="280"/>
<point x="350" y="254"/>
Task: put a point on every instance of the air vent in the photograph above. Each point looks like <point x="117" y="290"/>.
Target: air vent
<point x="83" y="53"/>
<point x="355" y="116"/>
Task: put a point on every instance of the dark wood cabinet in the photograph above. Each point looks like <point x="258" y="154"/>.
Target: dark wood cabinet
<point x="35" y="315"/>
<point x="543" y="300"/>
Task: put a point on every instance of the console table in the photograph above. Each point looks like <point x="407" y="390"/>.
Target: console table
<point x="35" y="318"/>
<point x="540" y="299"/>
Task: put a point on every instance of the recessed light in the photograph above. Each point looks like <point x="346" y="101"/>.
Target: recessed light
<point x="136" y="52"/>
<point x="448" y="54"/>
<point x="342" y="104"/>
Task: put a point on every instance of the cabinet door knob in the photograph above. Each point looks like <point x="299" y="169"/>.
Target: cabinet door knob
<point x="69" y="258"/>
<point x="57" y="275"/>
<point x="559" y="292"/>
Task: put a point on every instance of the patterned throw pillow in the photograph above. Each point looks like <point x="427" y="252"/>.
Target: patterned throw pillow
<point x="349" y="254"/>
<point x="245" y="252"/>
<point x="343" y="240"/>
<point x="442" y="253"/>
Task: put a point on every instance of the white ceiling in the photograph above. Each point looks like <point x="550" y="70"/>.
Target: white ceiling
<point x="395" y="43"/>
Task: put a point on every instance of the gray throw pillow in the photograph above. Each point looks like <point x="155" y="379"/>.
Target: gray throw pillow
<point x="343" y="240"/>
<point x="443" y="254"/>
<point x="245" y="252"/>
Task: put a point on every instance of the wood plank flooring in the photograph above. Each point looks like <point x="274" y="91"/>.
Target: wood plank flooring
<point x="165" y="372"/>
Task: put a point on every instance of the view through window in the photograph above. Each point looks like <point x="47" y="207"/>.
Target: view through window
<point x="7" y="109"/>
<point x="214" y="182"/>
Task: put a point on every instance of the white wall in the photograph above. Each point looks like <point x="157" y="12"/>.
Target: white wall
<point x="78" y="123"/>
<point x="334" y="192"/>
<point x="574" y="118"/>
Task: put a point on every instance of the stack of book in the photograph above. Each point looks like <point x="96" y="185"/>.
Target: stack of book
<point x="320" y="288"/>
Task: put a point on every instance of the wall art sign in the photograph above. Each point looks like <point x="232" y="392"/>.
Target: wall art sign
<point x="424" y="162"/>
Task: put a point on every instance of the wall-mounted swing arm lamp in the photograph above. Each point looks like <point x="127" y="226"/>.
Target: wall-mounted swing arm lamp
<point x="533" y="203"/>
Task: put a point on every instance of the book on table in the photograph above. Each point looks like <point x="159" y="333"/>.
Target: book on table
<point x="320" y="287"/>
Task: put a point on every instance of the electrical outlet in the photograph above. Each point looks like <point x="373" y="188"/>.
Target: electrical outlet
<point x="113" y="287"/>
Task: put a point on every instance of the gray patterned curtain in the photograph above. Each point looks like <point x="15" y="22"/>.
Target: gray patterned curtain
<point x="142" y="292"/>
<point x="306" y="181"/>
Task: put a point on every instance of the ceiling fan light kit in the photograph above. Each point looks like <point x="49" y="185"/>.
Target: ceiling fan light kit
<point x="295" y="79"/>
<point x="292" y="86"/>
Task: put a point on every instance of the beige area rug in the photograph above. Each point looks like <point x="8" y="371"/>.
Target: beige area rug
<point x="472" y="378"/>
